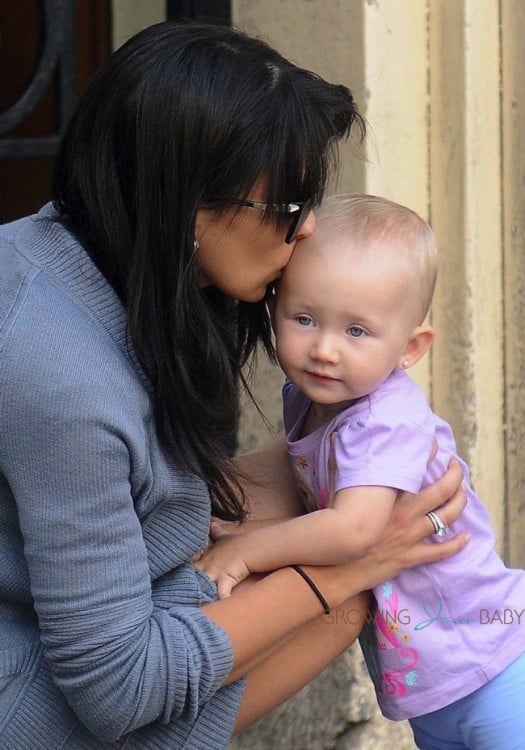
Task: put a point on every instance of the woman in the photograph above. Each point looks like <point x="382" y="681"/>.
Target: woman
<point x="183" y="183"/>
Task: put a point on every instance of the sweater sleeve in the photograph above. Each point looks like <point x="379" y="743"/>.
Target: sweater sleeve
<point x="120" y="661"/>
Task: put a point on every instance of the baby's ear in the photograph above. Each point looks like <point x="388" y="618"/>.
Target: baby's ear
<point x="418" y="344"/>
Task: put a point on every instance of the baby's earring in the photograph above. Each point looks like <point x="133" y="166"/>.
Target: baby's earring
<point x="405" y="364"/>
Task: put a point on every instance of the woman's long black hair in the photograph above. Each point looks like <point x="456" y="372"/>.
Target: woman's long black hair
<point x="182" y="113"/>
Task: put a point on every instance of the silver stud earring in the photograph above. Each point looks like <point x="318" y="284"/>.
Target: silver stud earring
<point x="196" y="244"/>
<point x="405" y="364"/>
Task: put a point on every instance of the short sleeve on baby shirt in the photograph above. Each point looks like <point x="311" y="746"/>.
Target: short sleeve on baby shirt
<point x="383" y="447"/>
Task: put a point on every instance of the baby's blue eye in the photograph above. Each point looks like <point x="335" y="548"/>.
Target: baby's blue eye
<point x="356" y="332"/>
<point x="303" y="320"/>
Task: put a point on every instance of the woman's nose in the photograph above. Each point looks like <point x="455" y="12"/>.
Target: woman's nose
<point x="307" y="228"/>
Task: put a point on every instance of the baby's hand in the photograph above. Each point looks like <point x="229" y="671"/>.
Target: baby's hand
<point x="224" y="563"/>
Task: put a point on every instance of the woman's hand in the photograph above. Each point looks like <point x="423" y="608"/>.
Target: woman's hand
<point x="405" y="541"/>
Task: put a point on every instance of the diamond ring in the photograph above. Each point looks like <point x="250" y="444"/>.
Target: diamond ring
<point x="440" y="529"/>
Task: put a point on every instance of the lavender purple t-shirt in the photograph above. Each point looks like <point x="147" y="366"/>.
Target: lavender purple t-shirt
<point x="441" y="630"/>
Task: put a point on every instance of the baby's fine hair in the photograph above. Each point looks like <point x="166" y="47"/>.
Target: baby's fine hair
<point x="366" y="218"/>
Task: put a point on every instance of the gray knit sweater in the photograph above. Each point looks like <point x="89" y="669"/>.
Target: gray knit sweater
<point x="102" y="643"/>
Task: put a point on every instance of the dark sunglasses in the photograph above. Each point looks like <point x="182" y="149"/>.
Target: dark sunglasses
<point x="298" y="212"/>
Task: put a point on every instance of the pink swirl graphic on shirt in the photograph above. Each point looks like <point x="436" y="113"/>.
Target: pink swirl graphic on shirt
<point x="396" y="681"/>
<point x="385" y="636"/>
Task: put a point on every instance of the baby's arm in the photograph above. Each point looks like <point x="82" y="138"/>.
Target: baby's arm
<point x="325" y="537"/>
<point x="220" y="528"/>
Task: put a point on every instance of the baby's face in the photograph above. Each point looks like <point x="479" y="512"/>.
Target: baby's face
<point x="341" y="320"/>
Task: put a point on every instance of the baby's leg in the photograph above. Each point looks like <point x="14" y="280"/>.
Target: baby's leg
<point x="492" y="717"/>
<point x="496" y="716"/>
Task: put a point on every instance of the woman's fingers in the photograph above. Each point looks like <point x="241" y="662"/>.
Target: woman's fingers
<point x="452" y="509"/>
<point x="446" y="496"/>
<point x="448" y="487"/>
<point x="424" y="553"/>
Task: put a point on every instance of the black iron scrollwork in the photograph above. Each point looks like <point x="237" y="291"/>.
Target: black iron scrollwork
<point x="55" y="65"/>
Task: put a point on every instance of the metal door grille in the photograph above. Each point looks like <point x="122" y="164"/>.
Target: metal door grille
<point x="55" y="66"/>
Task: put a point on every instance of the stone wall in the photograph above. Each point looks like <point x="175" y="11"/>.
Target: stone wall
<point x="337" y="711"/>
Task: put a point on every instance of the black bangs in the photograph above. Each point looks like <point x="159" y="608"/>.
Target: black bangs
<point x="303" y="139"/>
<point x="283" y="126"/>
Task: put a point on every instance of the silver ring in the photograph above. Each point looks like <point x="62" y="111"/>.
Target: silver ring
<point x="440" y="529"/>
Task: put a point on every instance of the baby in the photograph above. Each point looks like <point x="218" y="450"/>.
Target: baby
<point x="349" y="320"/>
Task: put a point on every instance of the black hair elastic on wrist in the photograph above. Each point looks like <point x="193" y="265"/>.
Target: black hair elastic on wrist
<point x="324" y="603"/>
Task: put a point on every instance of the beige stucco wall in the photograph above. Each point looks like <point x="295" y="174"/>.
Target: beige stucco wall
<point x="513" y="239"/>
<point x="465" y="189"/>
<point x="130" y="16"/>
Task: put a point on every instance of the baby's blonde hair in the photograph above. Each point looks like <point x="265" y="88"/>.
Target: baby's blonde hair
<point x="366" y="218"/>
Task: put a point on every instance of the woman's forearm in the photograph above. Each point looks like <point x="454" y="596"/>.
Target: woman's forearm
<point x="258" y="616"/>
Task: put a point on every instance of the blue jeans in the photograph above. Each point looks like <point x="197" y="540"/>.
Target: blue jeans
<point x="491" y="718"/>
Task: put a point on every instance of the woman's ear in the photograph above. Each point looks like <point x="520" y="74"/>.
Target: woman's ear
<point x="418" y="344"/>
